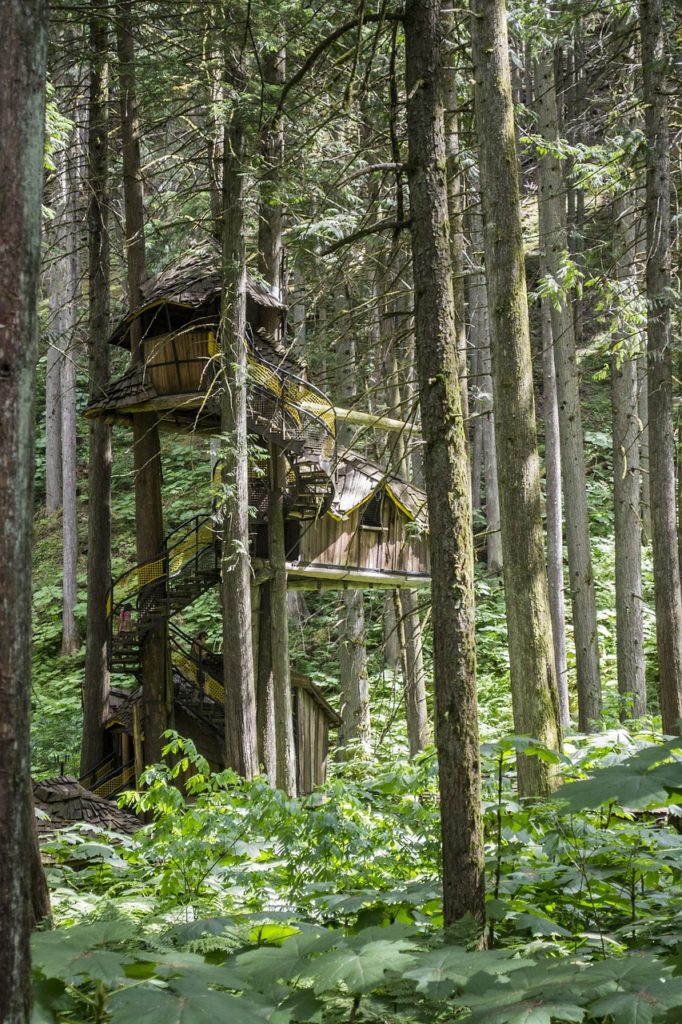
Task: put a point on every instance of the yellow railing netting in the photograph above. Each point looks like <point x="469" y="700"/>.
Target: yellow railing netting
<point x="211" y="686"/>
<point x="111" y="785"/>
<point x="140" y="576"/>
<point x="295" y="394"/>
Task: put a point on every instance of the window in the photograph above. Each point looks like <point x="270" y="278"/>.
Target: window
<point x="371" y="513"/>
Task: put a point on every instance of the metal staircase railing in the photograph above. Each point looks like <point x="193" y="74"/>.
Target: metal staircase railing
<point x="204" y="672"/>
<point x="154" y="590"/>
<point x="109" y="778"/>
<point x="301" y="420"/>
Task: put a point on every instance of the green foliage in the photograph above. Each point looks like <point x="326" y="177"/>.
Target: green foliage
<point x="237" y="901"/>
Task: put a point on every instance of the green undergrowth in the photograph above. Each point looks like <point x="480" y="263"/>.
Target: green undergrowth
<point x="237" y="903"/>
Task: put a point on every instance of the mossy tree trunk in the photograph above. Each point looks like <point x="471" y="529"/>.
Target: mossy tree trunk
<point x="96" y="682"/>
<point x="626" y="477"/>
<point x="240" y="698"/>
<point x="157" y="692"/>
<point x="446" y="471"/>
<point x="23" y="30"/>
<point x="529" y="626"/>
<point x="667" y="589"/>
<point x="270" y="264"/>
<point x="555" y="253"/>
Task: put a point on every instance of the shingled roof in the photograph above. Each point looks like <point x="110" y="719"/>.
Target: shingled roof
<point x="66" y="802"/>
<point x="358" y="479"/>
<point x="194" y="281"/>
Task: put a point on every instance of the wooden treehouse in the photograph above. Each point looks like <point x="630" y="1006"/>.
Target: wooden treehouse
<point x="348" y="522"/>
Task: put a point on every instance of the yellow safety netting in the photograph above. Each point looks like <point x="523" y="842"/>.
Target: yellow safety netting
<point x="116" y="782"/>
<point x="140" y="576"/>
<point x="211" y="686"/>
<point x="296" y="396"/>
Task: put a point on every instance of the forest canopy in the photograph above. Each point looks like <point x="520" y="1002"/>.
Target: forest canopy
<point x="340" y="583"/>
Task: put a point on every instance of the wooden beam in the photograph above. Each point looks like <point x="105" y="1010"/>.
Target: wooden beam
<point x="368" y="419"/>
<point x="312" y="576"/>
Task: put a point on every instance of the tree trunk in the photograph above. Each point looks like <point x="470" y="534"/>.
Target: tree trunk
<point x="667" y="589"/>
<point x="279" y="627"/>
<point x="265" y="693"/>
<point x="156" y="677"/>
<point x="240" y="698"/>
<point x="354" y="681"/>
<point x="70" y="638"/>
<point x="485" y="419"/>
<point x="626" y="481"/>
<point x="270" y="264"/>
<point x="355" y="719"/>
<point x="446" y="472"/>
<point x="23" y="29"/>
<point x="416" y="708"/>
<point x="53" y="408"/>
<point x="643" y="412"/>
<point x="61" y="381"/>
<point x="96" y="682"/>
<point x="555" y="532"/>
<point x="554" y="246"/>
<point x="529" y="627"/>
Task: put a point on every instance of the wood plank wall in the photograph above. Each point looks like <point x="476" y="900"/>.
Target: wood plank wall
<point x="352" y="545"/>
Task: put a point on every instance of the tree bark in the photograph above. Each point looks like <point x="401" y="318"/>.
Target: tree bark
<point x="626" y="481"/>
<point x="354" y="681"/>
<point x="23" y="30"/>
<point x="265" y="693"/>
<point x="554" y="246"/>
<point x="446" y="472"/>
<point x="416" y="708"/>
<point x="70" y="638"/>
<point x="61" y="379"/>
<point x="529" y="627"/>
<point x="240" y="699"/>
<point x="96" y="682"/>
<point x="270" y="264"/>
<point x="279" y="627"/>
<point x="53" y="407"/>
<point x="156" y="677"/>
<point x="667" y="589"/>
<point x="355" y="718"/>
<point x="555" y="532"/>
<point x="485" y="418"/>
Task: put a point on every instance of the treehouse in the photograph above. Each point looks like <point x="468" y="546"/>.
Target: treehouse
<point x="199" y="708"/>
<point x="347" y="521"/>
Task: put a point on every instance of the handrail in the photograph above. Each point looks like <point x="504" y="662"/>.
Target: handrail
<point x="282" y="374"/>
<point x="192" y="537"/>
<point x="189" y="665"/>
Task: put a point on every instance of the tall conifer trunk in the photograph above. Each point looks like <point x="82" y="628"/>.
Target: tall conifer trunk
<point x="626" y="481"/>
<point x="270" y="264"/>
<point x="446" y="472"/>
<point x="553" y="507"/>
<point x="96" y="683"/>
<point x="23" y="30"/>
<point x="531" y="657"/>
<point x="157" y="691"/>
<point x="554" y="246"/>
<point x="240" y="697"/>
<point x="668" y="592"/>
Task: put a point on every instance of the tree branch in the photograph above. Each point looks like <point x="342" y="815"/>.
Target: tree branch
<point x="380" y="225"/>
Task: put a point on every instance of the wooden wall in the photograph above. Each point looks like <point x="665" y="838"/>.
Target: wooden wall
<point x="311" y="737"/>
<point x="389" y="548"/>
